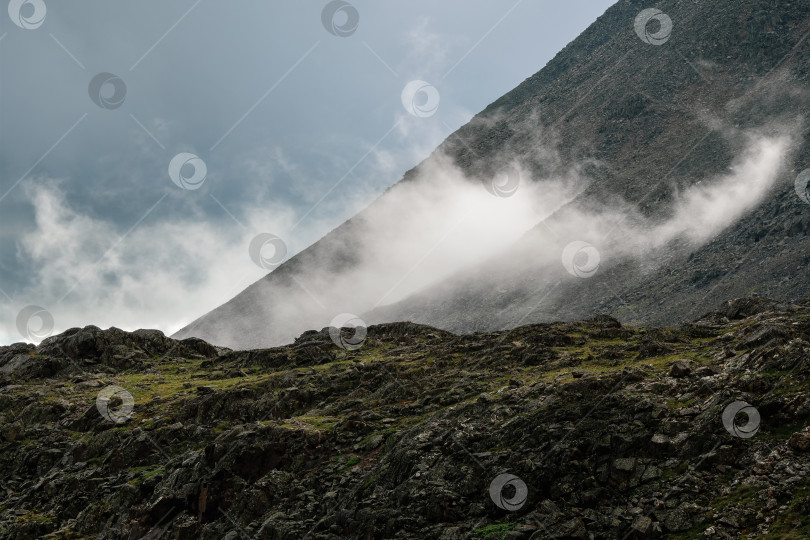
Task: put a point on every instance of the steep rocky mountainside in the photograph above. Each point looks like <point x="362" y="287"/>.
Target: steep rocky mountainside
<point x="603" y="431"/>
<point x="643" y="123"/>
<point x="648" y="122"/>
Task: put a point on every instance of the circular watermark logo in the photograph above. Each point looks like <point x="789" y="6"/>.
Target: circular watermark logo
<point x="34" y="323"/>
<point x="581" y="259"/>
<point x="267" y="250"/>
<point x="340" y="18"/>
<point x="187" y="171"/>
<point x="421" y="99"/>
<point x="108" y="91"/>
<point x="736" y="428"/>
<point x="802" y="182"/>
<point x="508" y="492"/>
<point x="505" y="184"/>
<point x="27" y="14"/>
<point x="646" y="19"/>
<point x="115" y="404"/>
<point x="338" y="333"/>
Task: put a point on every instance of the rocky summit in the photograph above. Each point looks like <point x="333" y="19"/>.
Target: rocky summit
<point x="586" y="429"/>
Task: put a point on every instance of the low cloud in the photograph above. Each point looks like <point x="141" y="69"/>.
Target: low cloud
<point x="421" y="233"/>
<point x="85" y="272"/>
<point x="427" y="230"/>
<point x="709" y="207"/>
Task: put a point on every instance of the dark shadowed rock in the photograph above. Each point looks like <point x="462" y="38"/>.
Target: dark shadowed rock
<point x="680" y="368"/>
<point x="800" y="441"/>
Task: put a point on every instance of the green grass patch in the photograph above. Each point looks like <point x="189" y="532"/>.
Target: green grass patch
<point x="794" y="522"/>
<point x="673" y="403"/>
<point x="154" y="472"/>
<point x="496" y="531"/>
<point x="676" y="471"/>
<point x="351" y="462"/>
<point x="741" y="494"/>
<point x="34" y="517"/>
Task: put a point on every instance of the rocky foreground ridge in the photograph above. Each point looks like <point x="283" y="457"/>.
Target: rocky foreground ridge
<point x="602" y="431"/>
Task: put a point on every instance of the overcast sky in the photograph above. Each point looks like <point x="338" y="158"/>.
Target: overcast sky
<point x="297" y="115"/>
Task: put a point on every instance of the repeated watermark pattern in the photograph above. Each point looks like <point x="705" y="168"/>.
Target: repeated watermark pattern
<point x="501" y="485"/>
<point x="35" y="323"/>
<point x="732" y="423"/>
<point x="420" y="99"/>
<point x="27" y="14"/>
<point x="108" y="91"/>
<point x="581" y="259"/>
<point x="338" y="331"/>
<point x="267" y="250"/>
<point x="646" y="20"/>
<point x="504" y="184"/>
<point x="115" y="404"/>
<point x="340" y="18"/>
<point x="188" y="171"/>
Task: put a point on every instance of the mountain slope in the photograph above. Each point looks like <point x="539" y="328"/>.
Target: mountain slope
<point x="635" y="131"/>
<point x="669" y="130"/>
